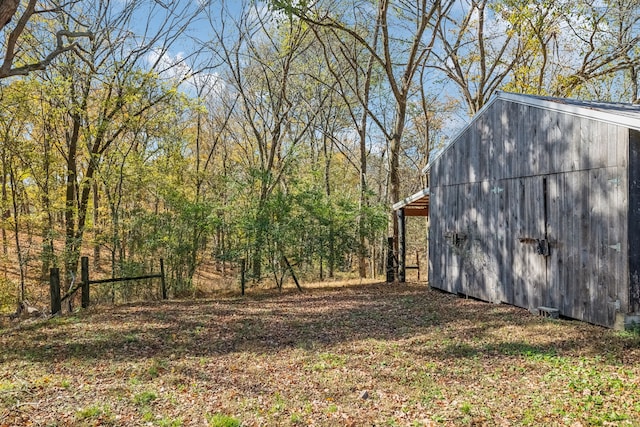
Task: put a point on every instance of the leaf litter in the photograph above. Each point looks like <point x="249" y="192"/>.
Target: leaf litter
<point x="393" y="355"/>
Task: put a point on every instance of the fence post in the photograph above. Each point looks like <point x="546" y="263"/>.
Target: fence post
<point x="402" y="246"/>
<point x="84" y="277"/>
<point x="243" y="265"/>
<point x="390" y="260"/>
<point x="162" y="282"/>
<point x="418" y="263"/>
<point x="54" y="287"/>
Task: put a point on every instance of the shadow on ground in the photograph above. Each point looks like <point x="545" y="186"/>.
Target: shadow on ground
<point x="315" y="319"/>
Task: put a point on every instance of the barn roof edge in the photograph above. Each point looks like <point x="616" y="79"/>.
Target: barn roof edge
<point x="627" y="115"/>
<point x="413" y="198"/>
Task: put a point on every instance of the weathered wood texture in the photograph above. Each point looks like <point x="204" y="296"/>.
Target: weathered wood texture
<point x="530" y="207"/>
<point x="634" y="221"/>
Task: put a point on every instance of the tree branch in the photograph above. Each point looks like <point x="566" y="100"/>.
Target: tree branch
<point x="7" y="11"/>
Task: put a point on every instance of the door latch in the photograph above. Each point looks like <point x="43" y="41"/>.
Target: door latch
<point x="543" y="248"/>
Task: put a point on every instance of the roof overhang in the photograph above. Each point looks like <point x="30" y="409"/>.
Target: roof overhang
<point x="627" y="115"/>
<point x="415" y="205"/>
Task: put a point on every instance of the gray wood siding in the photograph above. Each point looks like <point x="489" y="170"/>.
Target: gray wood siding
<point x="521" y="175"/>
<point x="634" y="221"/>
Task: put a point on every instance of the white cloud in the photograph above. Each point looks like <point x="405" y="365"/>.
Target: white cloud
<point x="208" y="85"/>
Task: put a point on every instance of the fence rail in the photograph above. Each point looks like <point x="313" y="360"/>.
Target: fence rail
<point x="85" y="282"/>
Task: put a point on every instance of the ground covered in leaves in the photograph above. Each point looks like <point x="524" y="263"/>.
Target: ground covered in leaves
<point x="359" y="355"/>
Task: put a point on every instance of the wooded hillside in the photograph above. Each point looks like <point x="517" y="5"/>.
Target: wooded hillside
<point x="209" y="132"/>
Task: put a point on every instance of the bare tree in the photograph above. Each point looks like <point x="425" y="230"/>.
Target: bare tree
<point x="406" y="41"/>
<point x="261" y="68"/>
<point x="114" y="87"/>
<point x="475" y="53"/>
<point x="13" y="46"/>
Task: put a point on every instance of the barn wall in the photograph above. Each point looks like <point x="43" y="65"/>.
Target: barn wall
<point x="634" y="221"/>
<point x="518" y="178"/>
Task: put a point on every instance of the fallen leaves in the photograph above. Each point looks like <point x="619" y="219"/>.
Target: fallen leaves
<point x="361" y="355"/>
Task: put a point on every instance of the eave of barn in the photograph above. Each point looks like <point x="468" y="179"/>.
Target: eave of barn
<point x="609" y="112"/>
<point x="415" y="205"/>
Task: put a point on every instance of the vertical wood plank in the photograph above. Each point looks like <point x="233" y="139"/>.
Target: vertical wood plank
<point x="509" y="137"/>
<point x="521" y="142"/>
<point x="569" y="246"/>
<point x="486" y="148"/>
<point x="515" y="192"/>
<point x="496" y="159"/>
<point x="453" y="271"/>
<point x="622" y="137"/>
<point x="624" y="145"/>
<point x="598" y="291"/>
<point x="581" y="281"/>
<point x="623" y="232"/>
<point x="601" y="303"/>
<point x="585" y="144"/>
<point x="489" y="234"/>
<point x="574" y="305"/>
<point x="463" y="157"/>
<point x="545" y="140"/>
<point x="612" y="145"/>
<point x="600" y="145"/>
<point x="587" y="283"/>
<point x="573" y="126"/>
<point x="512" y="267"/>
<point x="504" y="260"/>
<point x="446" y="226"/>
<point x="538" y="264"/>
<point x="472" y="141"/>
<point x="532" y="142"/>
<point x="472" y="205"/>
<point x="555" y="263"/>
<point x="562" y="237"/>
<point x="558" y="143"/>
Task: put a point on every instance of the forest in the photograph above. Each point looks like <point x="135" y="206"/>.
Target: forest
<point x="208" y="132"/>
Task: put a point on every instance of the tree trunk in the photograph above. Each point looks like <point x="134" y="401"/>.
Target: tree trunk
<point x="47" y="232"/>
<point x="6" y="213"/>
<point x="70" y="258"/>
<point x="96" y="225"/>
<point x="394" y="169"/>
<point x="16" y="231"/>
<point x="8" y="9"/>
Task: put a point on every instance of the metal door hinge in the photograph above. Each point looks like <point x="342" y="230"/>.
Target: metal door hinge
<point x="617" y="247"/>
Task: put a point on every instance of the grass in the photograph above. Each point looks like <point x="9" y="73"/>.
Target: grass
<point x="221" y="420"/>
<point x="356" y="355"/>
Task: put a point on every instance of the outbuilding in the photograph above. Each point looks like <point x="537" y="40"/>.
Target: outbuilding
<point x="536" y="203"/>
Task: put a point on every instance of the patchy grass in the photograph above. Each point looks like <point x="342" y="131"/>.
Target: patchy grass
<point x="357" y="355"/>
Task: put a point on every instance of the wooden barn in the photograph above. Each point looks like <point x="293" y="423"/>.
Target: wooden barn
<point x="536" y="203"/>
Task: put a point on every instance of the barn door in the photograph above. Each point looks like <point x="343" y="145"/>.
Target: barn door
<point x="585" y="228"/>
<point x="530" y="241"/>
